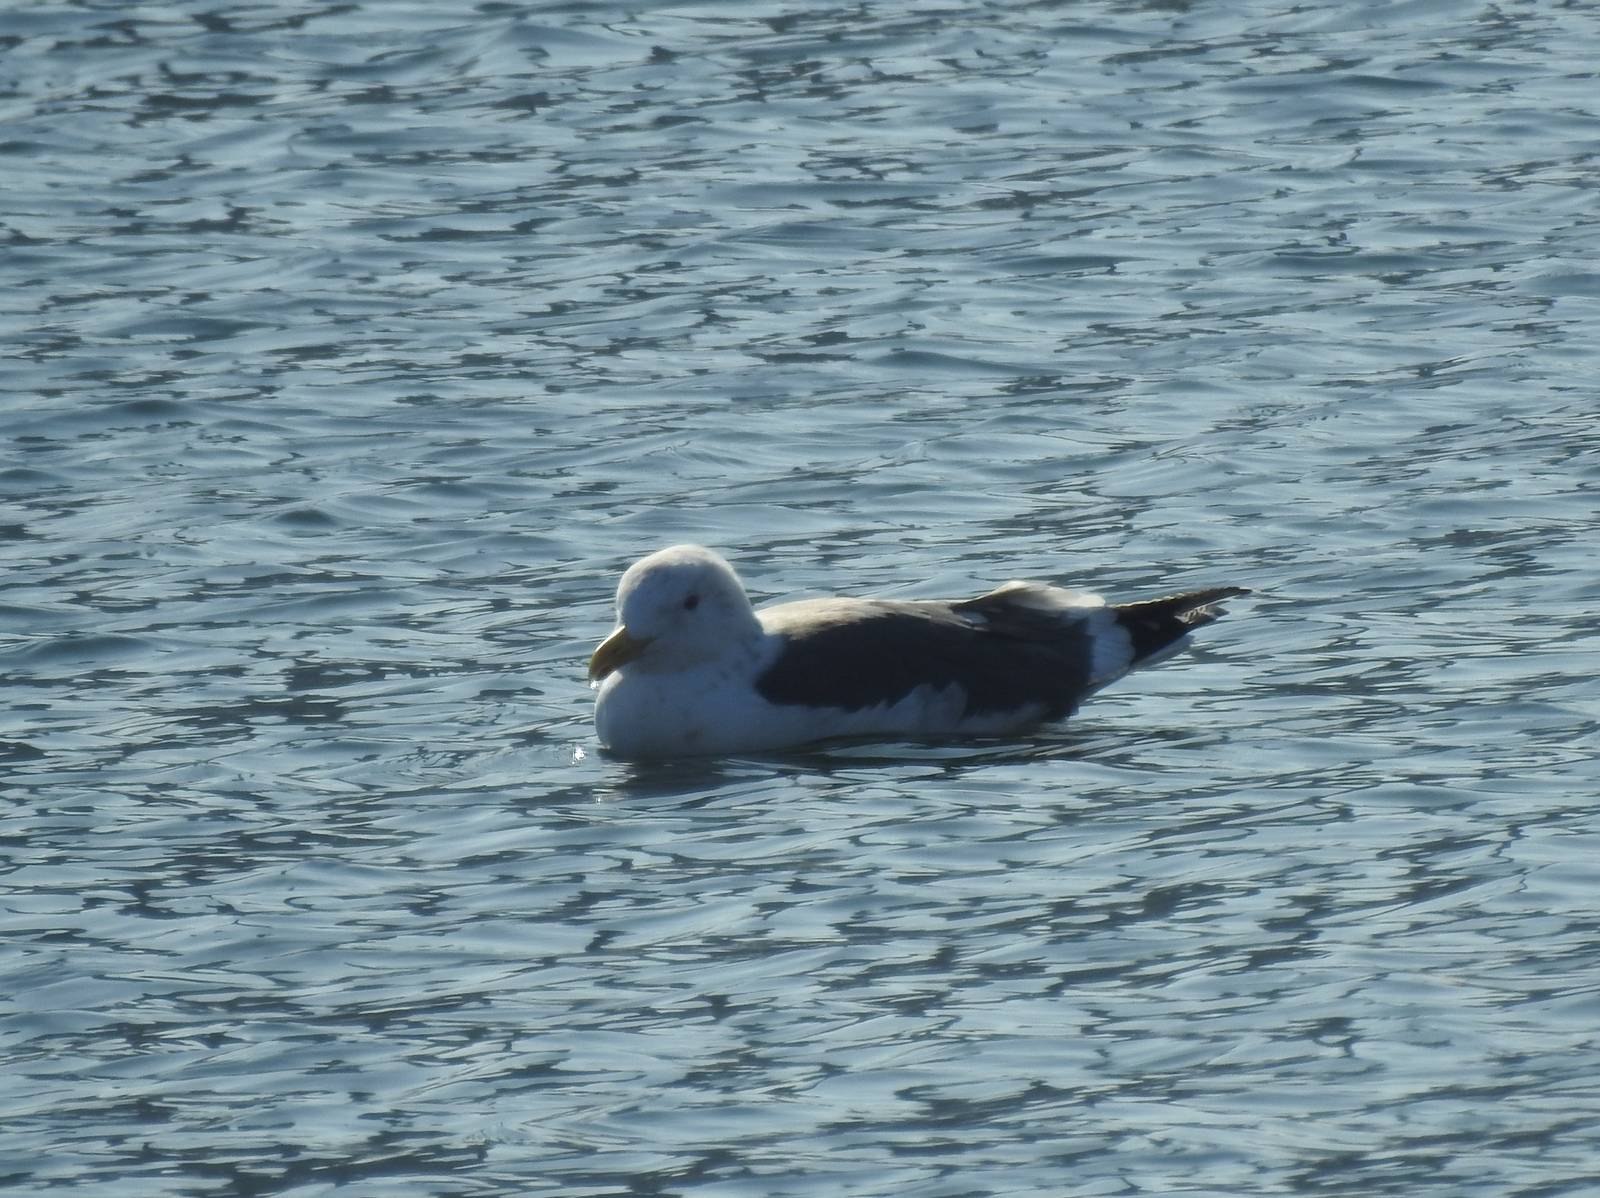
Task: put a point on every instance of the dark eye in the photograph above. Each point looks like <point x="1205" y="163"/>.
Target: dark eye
<point x="692" y="602"/>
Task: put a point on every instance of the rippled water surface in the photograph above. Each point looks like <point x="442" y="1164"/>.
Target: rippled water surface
<point x="352" y="351"/>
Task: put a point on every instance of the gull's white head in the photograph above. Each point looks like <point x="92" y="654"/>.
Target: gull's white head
<point x="675" y="608"/>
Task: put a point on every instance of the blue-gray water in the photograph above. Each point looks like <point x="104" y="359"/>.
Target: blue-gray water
<point x="353" y="349"/>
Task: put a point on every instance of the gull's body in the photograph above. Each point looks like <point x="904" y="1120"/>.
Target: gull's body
<point x="692" y="668"/>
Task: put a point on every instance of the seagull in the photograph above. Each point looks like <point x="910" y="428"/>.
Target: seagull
<point x="693" y="669"/>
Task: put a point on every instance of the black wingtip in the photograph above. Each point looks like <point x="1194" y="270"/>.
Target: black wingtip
<point x="1158" y="624"/>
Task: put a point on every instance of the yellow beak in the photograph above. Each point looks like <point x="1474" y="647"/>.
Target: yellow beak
<point x="616" y="651"/>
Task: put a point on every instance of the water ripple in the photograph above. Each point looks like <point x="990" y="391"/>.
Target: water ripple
<point x="355" y="350"/>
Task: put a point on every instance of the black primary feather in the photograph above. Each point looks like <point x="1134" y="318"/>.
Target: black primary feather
<point x="1157" y="624"/>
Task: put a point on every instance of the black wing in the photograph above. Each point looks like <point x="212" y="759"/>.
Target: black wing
<point x="865" y="653"/>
